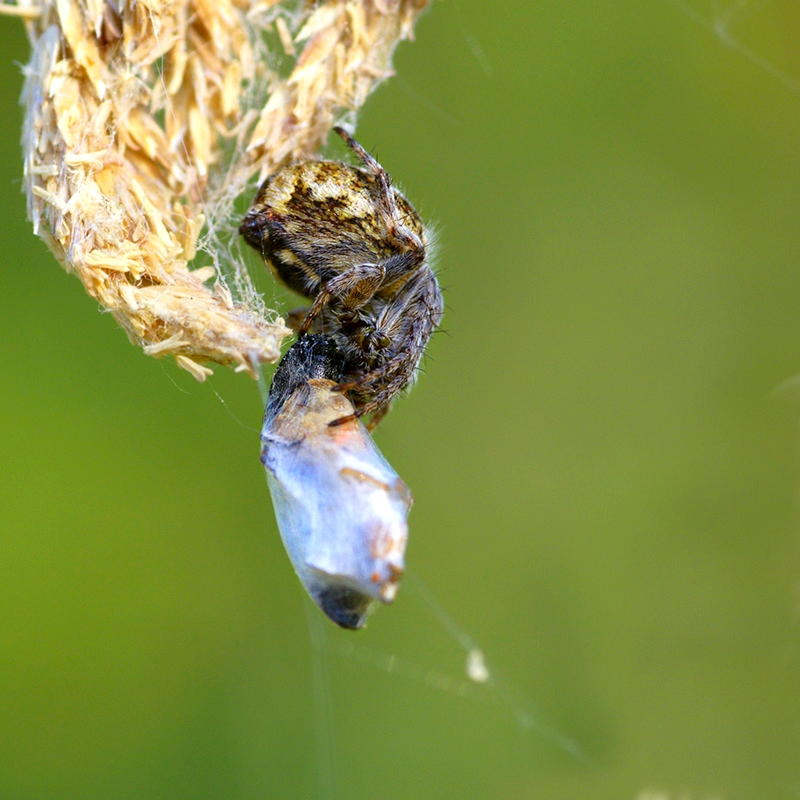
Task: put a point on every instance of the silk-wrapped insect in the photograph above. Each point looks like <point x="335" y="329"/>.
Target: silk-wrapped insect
<point x="347" y="239"/>
<point x="341" y="508"/>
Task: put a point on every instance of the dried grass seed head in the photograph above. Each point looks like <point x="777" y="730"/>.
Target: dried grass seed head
<point x="146" y="120"/>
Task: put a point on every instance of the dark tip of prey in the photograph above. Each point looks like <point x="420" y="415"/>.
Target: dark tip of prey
<point x="346" y="607"/>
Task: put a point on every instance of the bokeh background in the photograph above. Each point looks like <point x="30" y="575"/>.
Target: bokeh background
<point x="603" y="450"/>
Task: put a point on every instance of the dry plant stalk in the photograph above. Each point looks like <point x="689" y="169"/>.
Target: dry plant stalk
<point x="146" y="119"/>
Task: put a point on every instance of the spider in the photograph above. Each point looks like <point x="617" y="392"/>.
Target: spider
<point x="345" y="238"/>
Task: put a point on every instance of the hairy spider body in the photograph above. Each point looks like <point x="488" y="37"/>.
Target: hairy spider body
<point x="344" y="237"/>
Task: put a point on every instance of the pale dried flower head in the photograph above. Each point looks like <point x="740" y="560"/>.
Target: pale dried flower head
<point x="147" y="119"/>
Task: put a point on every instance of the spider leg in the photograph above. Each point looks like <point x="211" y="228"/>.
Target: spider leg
<point x="396" y="221"/>
<point x="296" y="317"/>
<point x="380" y="401"/>
<point x="368" y="161"/>
<point x="352" y="288"/>
<point x="392" y="365"/>
<point x="373" y="407"/>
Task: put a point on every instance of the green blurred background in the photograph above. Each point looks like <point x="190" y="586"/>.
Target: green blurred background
<point x="603" y="450"/>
